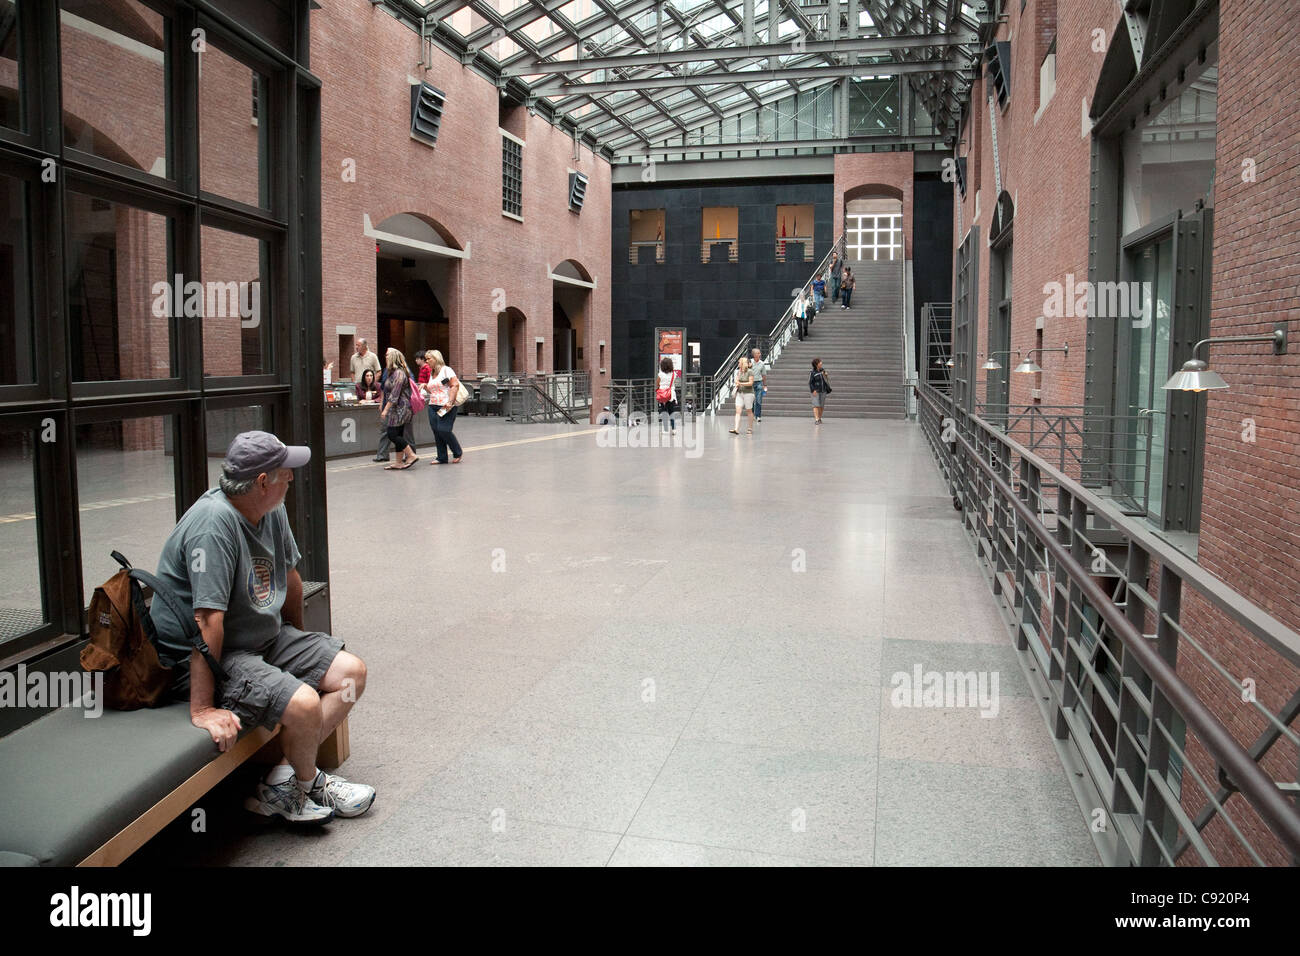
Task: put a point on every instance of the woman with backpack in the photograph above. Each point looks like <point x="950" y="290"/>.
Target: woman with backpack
<point x="666" y="392"/>
<point x="443" y="388"/>
<point x="395" y="412"/>
<point x="820" y="386"/>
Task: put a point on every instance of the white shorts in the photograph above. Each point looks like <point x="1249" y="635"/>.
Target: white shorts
<point x="744" y="400"/>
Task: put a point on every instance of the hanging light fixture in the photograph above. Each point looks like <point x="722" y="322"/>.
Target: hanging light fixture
<point x="1196" y="376"/>
<point x="1029" y="366"/>
<point x="992" y="364"/>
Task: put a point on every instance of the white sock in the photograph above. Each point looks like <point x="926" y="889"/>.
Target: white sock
<point x="310" y="781"/>
<point x="279" y="774"/>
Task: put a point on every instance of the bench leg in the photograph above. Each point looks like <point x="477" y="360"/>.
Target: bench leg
<point x="335" y="748"/>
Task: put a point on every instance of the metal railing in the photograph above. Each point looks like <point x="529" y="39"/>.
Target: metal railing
<point x="909" y="352"/>
<point x="632" y="398"/>
<point x="544" y="397"/>
<point x="1081" y="442"/>
<point x="770" y="344"/>
<point x="1118" y="632"/>
<point x="937" y="319"/>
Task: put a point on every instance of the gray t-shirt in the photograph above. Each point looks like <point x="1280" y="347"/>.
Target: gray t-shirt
<point x="759" y="368"/>
<point x="214" y="558"/>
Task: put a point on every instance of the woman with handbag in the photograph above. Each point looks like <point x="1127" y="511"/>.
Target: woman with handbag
<point x="744" y="395"/>
<point x="820" y="386"/>
<point x="444" y="395"/>
<point x="666" y="392"/>
<point x="400" y="399"/>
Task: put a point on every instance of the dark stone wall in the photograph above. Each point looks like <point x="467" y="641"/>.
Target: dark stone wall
<point x="717" y="302"/>
<point x="932" y="250"/>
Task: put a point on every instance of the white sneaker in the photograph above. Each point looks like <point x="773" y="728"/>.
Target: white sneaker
<point x="289" y="802"/>
<point x="344" y="798"/>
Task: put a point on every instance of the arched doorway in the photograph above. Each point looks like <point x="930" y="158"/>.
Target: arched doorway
<point x="571" y="286"/>
<point x="873" y="222"/>
<point x="511" y="357"/>
<point x="415" y="283"/>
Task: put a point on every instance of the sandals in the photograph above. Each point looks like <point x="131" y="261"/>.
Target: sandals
<point x="733" y="431"/>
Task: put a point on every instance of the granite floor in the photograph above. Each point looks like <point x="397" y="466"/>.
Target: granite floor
<point x="594" y="655"/>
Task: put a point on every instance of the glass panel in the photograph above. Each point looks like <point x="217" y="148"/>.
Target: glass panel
<point x="22" y="607"/>
<point x="1149" y="370"/>
<point x="17" y="353"/>
<point x="120" y="296"/>
<point x="11" y="74"/>
<point x="115" y="69"/>
<point x="234" y="120"/>
<point x="126" y="494"/>
<point x="236" y="313"/>
<point x="1169" y="160"/>
<point x="224" y="424"/>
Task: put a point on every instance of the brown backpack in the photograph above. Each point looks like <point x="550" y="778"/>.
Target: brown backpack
<point x="123" y="640"/>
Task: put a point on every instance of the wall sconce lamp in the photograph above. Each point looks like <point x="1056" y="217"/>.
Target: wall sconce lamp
<point x="993" y="363"/>
<point x="1196" y="376"/>
<point x="1028" y="366"/>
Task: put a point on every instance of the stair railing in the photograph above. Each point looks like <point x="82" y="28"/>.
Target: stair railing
<point x="771" y="344"/>
<point x="909" y="348"/>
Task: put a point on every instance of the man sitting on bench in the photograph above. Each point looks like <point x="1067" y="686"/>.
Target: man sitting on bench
<point x="233" y="559"/>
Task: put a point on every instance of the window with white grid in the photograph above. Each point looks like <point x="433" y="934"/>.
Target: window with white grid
<point x="874" y="235"/>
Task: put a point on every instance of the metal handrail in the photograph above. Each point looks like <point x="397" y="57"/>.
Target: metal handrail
<point x="978" y="459"/>
<point x="771" y="344"/>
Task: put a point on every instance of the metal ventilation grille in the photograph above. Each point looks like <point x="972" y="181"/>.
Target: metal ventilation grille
<point x="577" y="191"/>
<point x="426" y="112"/>
<point x="998" y="56"/>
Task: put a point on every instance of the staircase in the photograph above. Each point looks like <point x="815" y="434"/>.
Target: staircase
<point x="861" y="350"/>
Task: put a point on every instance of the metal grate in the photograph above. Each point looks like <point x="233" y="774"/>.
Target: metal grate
<point x="15" y="622"/>
<point x="427" y="104"/>
<point x="512" y="177"/>
<point x="577" y="191"/>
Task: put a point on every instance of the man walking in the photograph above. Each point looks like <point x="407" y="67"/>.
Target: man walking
<point x="759" y="368"/>
<point x="233" y="559"/>
<point x="800" y="316"/>
<point x="836" y="268"/>
<point x="819" y="292"/>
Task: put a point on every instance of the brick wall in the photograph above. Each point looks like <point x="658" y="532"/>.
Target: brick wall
<point x="365" y="118"/>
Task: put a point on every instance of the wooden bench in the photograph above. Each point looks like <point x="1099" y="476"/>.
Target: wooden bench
<point x="91" y="792"/>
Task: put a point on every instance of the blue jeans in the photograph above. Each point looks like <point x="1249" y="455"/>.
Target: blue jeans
<point x="848" y="294"/>
<point x="758" y="400"/>
<point x="835" y="287"/>
<point x="442" y="434"/>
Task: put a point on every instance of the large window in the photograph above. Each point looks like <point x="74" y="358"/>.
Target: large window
<point x="512" y="176"/>
<point x="794" y="233"/>
<point x="645" y="235"/>
<point x="719" y="234"/>
<point x="180" y="210"/>
<point x="1155" y="177"/>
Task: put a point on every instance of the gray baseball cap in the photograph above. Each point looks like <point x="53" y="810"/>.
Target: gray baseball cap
<point x="252" y="453"/>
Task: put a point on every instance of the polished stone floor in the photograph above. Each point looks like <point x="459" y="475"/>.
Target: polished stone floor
<point x="583" y="654"/>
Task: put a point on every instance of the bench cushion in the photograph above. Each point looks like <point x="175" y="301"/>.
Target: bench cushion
<point x="70" y="782"/>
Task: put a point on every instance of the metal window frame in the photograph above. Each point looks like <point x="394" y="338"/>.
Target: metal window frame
<point x="291" y="389"/>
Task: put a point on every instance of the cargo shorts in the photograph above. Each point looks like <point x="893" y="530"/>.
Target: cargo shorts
<point x="261" y="684"/>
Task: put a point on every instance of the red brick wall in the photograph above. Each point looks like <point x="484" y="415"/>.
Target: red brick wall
<point x="1251" y="490"/>
<point x="365" y="116"/>
<point x="894" y="170"/>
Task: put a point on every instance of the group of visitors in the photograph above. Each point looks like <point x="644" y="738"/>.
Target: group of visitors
<point x="436" y="385"/>
<point x="841" y="282"/>
<point x="751" y="384"/>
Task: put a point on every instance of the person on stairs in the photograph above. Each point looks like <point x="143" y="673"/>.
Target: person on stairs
<point x="744" y="395"/>
<point x="759" y="368"/>
<point x="836" y="271"/>
<point x="800" y="317"/>
<point x="847" y="286"/>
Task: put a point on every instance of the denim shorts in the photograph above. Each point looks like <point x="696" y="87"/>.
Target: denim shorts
<point x="260" y="685"/>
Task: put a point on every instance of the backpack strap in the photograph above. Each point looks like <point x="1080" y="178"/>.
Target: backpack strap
<point x="191" y="629"/>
